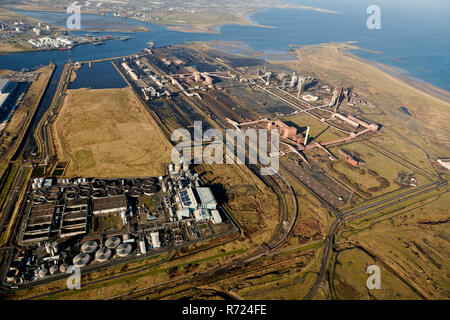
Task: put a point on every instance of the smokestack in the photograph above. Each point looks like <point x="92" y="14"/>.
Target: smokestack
<point x="306" y="136"/>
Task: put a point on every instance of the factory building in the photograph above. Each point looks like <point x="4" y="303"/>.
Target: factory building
<point x="187" y="198"/>
<point x="206" y="198"/>
<point x="6" y="88"/>
<point x="130" y="71"/>
<point x="350" y="122"/>
<point x="204" y="214"/>
<point x="445" y="163"/>
<point x="351" y="159"/>
<point x="215" y="216"/>
<point x="293" y="80"/>
<point x="155" y="239"/>
<point x="183" y="213"/>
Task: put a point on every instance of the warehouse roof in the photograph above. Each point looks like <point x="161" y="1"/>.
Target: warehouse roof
<point x="206" y="196"/>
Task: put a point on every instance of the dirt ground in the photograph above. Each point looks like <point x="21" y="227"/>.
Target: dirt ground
<point x="108" y="133"/>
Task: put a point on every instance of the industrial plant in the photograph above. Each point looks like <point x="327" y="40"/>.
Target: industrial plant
<point x="100" y="222"/>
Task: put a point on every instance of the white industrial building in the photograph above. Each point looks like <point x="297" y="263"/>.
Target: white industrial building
<point x="205" y="214"/>
<point x="155" y="239"/>
<point x="445" y="163"/>
<point x="206" y="198"/>
<point x="187" y="198"/>
<point x="6" y="88"/>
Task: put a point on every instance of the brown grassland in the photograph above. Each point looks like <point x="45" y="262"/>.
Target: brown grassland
<point x="108" y="133"/>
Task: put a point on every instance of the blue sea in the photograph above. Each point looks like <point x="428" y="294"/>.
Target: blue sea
<point x="414" y="35"/>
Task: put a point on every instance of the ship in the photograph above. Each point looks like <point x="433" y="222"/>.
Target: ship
<point x="125" y="38"/>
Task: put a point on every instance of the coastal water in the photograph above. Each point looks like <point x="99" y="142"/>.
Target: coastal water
<point x="413" y="38"/>
<point x="100" y="75"/>
<point x="413" y="35"/>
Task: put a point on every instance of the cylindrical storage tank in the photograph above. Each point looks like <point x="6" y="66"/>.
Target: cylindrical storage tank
<point x="112" y="243"/>
<point x="89" y="246"/>
<point x="43" y="272"/>
<point x="63" y="267"/>
<point x="124" y="250"/>
<point x="103" y="254"/>
<point x="81" y="259"/>
<point x="53" y="269"/>
<point x="11" y="275"/>
<point x="160" y="178"/>
<point x="55" y="248"/>
<point x="48" y="247"/>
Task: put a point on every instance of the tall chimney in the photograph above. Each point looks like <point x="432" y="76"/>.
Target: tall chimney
<point x="306" y="136"/>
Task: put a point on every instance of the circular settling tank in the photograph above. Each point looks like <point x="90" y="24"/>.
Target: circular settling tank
<point x="81" y="259"/>
<point x="89" y="247"/>
<point x="103" y="254"/>
<point x="112" y="243"/>
<point x="124" y="250"/>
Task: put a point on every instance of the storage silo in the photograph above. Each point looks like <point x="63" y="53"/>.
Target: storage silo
<point x="43" y="272"/>
<point x="63" y="267"/>
<point x="53" y="269"/>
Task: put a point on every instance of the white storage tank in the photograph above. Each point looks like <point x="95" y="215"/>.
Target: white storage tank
<point x="53" y="269"/>
<point x="43" y="272"/>
<point x="63" y="267"/>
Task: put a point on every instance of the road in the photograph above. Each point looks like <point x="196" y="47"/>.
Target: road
<point x="336" y="223"/>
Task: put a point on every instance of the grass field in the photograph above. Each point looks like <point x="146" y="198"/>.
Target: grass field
<point x="319" y="131"/>
<point x="108" y="133"/>
<point x="412" y="240"/>
<point x="349" y="279"/>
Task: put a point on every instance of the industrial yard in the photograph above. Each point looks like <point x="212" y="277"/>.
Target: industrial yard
<point x="85" y="222"/>
<point x="107" y="196"/>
